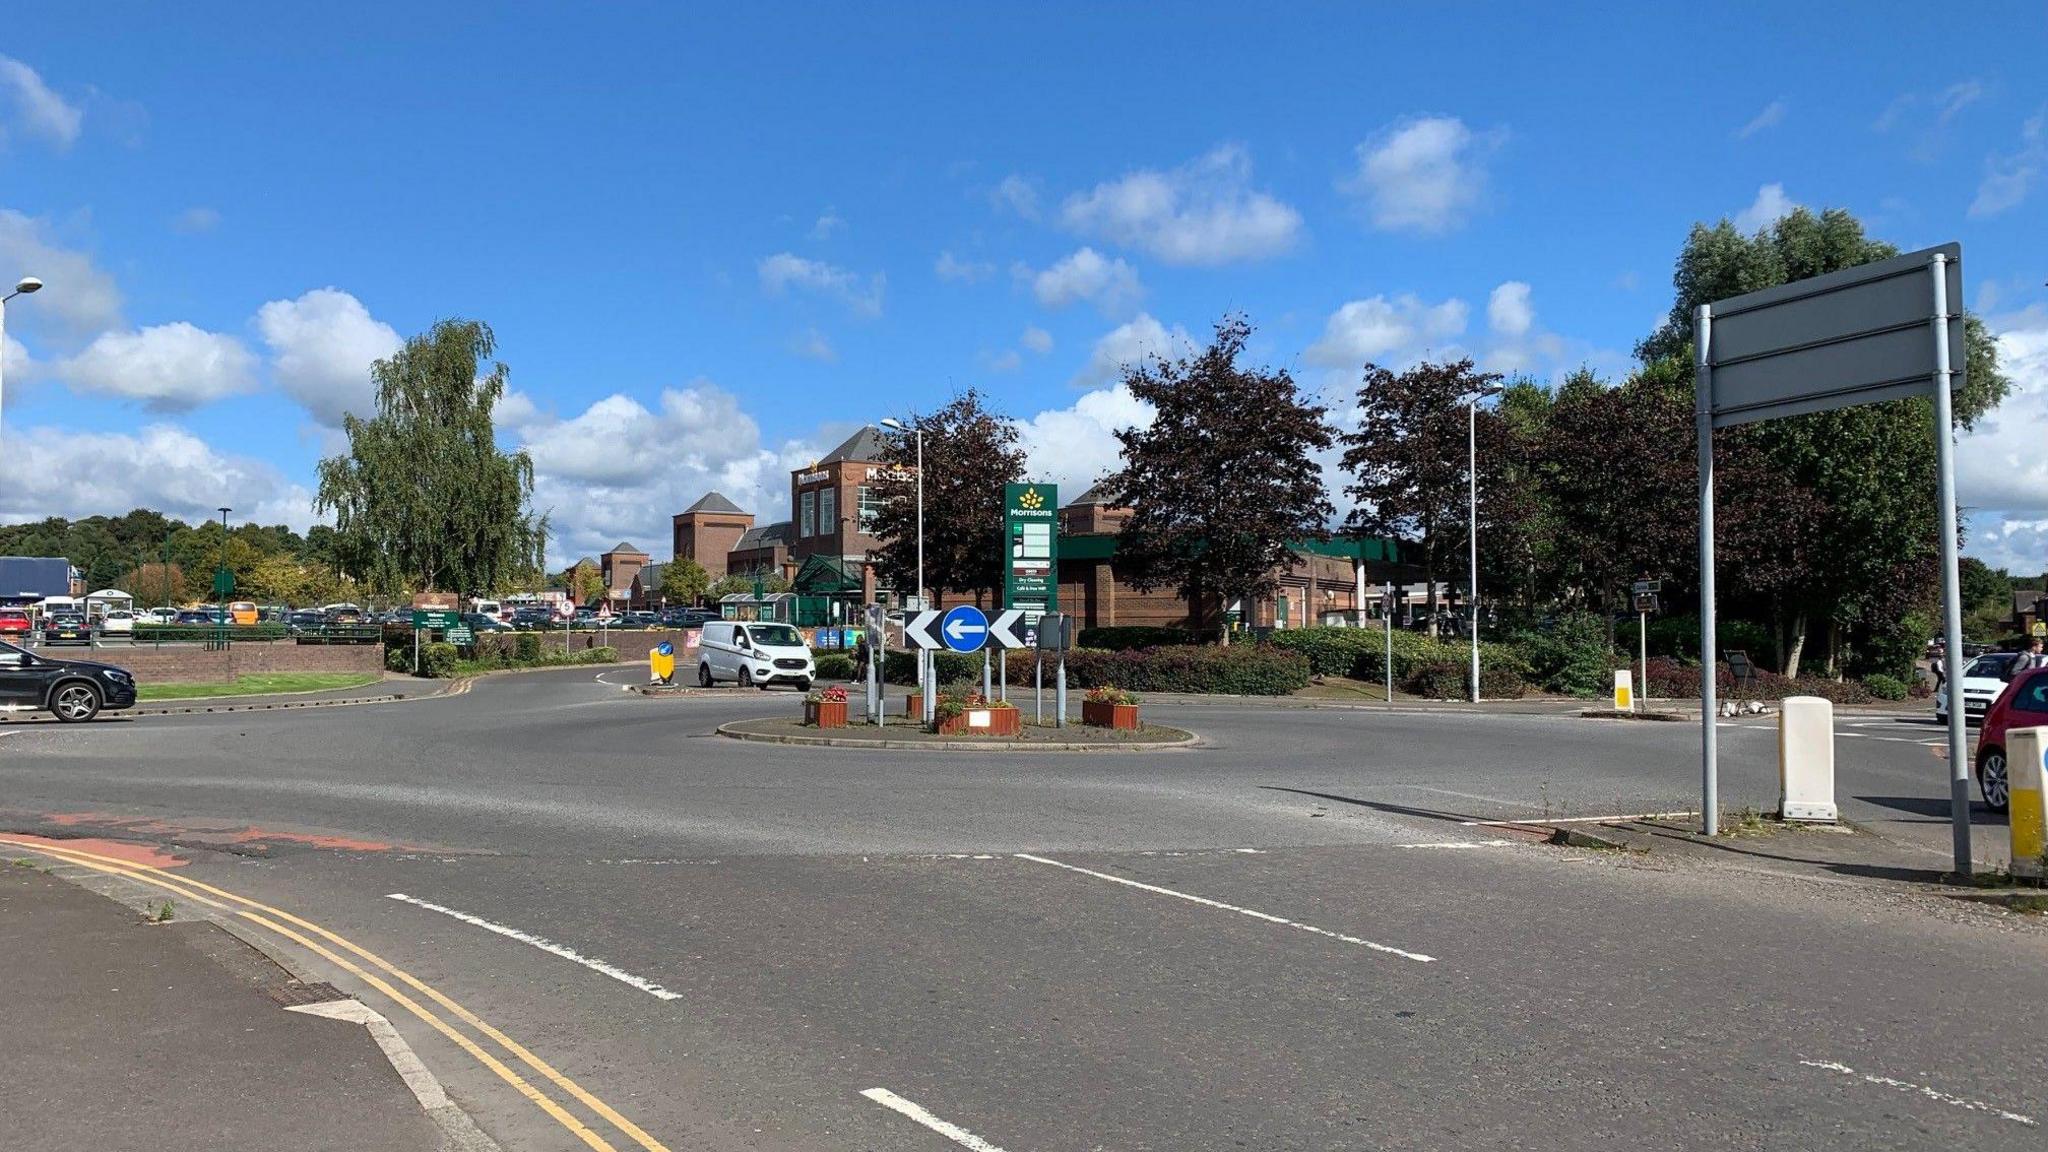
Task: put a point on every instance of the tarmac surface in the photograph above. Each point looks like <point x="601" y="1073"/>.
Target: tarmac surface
<point x="1311" y="931"/>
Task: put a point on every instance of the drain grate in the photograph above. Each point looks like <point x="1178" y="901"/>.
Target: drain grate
<point x="293" y="994"/>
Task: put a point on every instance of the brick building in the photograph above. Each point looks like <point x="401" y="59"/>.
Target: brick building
<point x="618" y="567"/>
<point x="761" y="550"/>
<point x="709" y="530"/>
<point x="833" y="502"/>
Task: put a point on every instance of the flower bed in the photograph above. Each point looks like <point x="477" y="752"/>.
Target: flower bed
<point x="971" y="714"/>
<point x="825" y="708"/>
<point x="1109" y="707"/>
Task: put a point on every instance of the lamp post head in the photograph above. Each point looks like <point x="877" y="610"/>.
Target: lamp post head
<point x="893" y="424"/>
<point x="27" y="285"/>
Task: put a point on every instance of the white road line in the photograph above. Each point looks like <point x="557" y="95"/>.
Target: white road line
<point x="1208" y="903"/>
<point x="545" y="945"/>
<point x="1575" y="820"/>
<point x="1922" y="1089"/>
<point x="953" y="1132"/>
<point x="1460" y="844"/>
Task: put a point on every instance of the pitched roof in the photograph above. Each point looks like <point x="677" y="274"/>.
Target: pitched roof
<point x="714" y="502"/>
<point x="866" y="444"/>
<point x="764" y="536"/>
<point x="622" y="546"/>
<point x="649" y="575"/>
<point x="1096" y="494"/>
<point x="2027" y="599"/>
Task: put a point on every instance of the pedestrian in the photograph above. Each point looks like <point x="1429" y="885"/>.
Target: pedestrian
<point x="863" y="655"/>
<point x="2030" y="659"/>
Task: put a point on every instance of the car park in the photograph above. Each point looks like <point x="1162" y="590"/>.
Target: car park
<point x="2023" y="704"/>
<point x="74" y="690"/>
<point x="195" y="616"/>
<point x="484" y="622"/>
<point x="66" y="628"/>
<point x="751" y="654"/>
<point x="1983" y="679"/>
<point x="531" y="618"/>
<point x="118" y="622"/>
<point x="685" y="618"/>
<point x="641" y="620"/>
<point x="157" y="616"/>
<point x="305" y="621"/>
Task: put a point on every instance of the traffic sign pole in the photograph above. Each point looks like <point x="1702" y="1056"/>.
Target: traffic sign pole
<point x="1951" y="588"/>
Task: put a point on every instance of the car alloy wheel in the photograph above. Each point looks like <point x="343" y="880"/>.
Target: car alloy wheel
<point x="76" y="702"/>
<point x="1991" y="780"/>
<point x="746" y="679"/>
<point x="703" y="675"/>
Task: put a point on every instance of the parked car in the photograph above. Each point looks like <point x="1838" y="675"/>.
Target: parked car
<point x="157" y="616"/>
<point x="2023" y="704"/>
<point x="685" y="618"/>
<point x="15" y="622"/>
<point x="118" y="622"/>
<point x="484" y="622"/>
<point x="1983" y="679"/>
<point x="305" y="621"/>
<point x="640" y="620"/>
<point x="66" y="628"/>
<point x="751" y="654"/>
<point x="531" y="618"/>
<point x="74" y="690"/>
<point x="197" y="616"/>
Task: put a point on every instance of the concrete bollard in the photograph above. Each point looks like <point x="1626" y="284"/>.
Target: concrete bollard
<point x="1806" y="759"/>
<point x="2026" y="763"/>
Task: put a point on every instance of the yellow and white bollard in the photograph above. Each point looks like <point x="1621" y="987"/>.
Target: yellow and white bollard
<point x="2026" y="762"/>
<point x="1624" y="691"/>
<point x="1806" y="759"/>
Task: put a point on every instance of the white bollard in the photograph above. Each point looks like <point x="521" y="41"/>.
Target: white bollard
<point x="1806" y="759"/>
<point x="2026" y="761"/>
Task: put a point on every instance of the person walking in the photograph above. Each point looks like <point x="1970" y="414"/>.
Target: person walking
<point x="2032" y="657"/>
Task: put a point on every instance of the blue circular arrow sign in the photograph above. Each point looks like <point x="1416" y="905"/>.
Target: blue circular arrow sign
<point x="964" y="629"/>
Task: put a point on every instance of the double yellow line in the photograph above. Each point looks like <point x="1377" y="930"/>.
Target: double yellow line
<point x="302" y="932"/>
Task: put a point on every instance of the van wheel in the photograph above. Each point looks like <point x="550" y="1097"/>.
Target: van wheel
<point x="746" y="679"/>
<point x="704" y="676"/>
<point x="76" y="702"/>
<point x="803" y="685"/>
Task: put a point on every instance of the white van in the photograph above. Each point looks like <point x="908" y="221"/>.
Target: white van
<point x="748" y="653"/>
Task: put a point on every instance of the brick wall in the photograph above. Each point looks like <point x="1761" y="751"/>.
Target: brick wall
<point x="193" y="664"/>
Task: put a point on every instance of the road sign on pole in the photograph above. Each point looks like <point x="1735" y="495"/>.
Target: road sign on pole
<point x="1006" y="629"/>
<point x="1882" y="331"/>
<point x="920" y="630"/>
<point x="965" y="628"/>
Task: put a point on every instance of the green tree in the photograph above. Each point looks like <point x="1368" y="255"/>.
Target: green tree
<point x="741" y="583"/>
<point x="970" y="452"/>
<point x="424" y="499"/>
<point x="1223" y="479"/>
<point x="683" y="581"/>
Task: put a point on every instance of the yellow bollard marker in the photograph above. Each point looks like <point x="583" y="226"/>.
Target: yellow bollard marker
<point x="2026" y="762"/>
<point x="661" y="663"/>
<point x="1624" y="690"/>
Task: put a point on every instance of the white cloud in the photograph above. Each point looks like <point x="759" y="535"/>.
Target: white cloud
<point x="619" y="470"/>
<point x="196" y="220"/>
<point x="168" y="367"/>
<point x="1771" y="205"/>
<point x="1008" y="360"/>
<point x="786" y="270"/>
<point x="1075" y="446"/>
<point x="321" y="346"/>
<point x="2001" y="463"/>
<point x="1772" y="115"/>
<point x="2018" y="546"/>
<point x="1377" y="330"/>
<point x="2008" y="178"/>
<point x="951" y="268"/>
<point x="812" y="344"/>
<point x="15" y="362"/>
<point x="53" y="472"/>
<point x="1086" y="274"/>
<point x="1938" y="108"/>
<point x="1037" y="339"/>
<point x="1424" y="175"/>
<point x="1141" y="339"/>
<point x="828" y="223"/>
<point x="1016" y="194"/>
<point x="40" y="111"/>
<point x="80" y="297"/>
<point x="1508" y="311"/>
<point x="1203" y="212"/>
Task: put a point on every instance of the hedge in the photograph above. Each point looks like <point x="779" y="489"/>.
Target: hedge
<point x="1240" y="669"/>
<point x="835" y="666"/>
<point x="1452" y="679"/>
<point x="1361" y="653"/>
<point x="1672" y="680"/>
<point x="1119" y="639"/>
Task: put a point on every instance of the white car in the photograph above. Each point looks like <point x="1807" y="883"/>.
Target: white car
<point x="119" y="622"/>
<point x="1983" y="679"/>
<point x="750" y="654"/>
<point x="157" y="616"/>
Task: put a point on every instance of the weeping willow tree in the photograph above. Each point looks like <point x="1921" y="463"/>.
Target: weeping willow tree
<point x="424" y="499"/>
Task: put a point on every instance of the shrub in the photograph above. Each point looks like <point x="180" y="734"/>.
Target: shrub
<point x="1110" y="694"/>
<point x="528" y="647"/>
<point x="438" y="660"/>
<point x="1240" y="669"/>
<point x="1441" y="679"/>
<point x="1361" y="653"/>
<point x="1680" y="636"/>
<point x="1571" y="657"/>
<point x="901" y="668"/>
<point x="398" y="659"/>
<point x="835" y="666"/>
<point x="1885" y="687"/>
<point x="1668" y="678"/>
<point x="1122" y="639"/>
<point x="1332" y="651"/>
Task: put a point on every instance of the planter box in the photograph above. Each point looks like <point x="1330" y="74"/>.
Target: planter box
<point x="825" y="714"/>
<point x="1116" y="716"/>
<point x="913" y="707"/>
<point x="983" y="722"/>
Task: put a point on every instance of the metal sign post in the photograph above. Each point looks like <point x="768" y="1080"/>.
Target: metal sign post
<point x="1879" y="331"/>
<point x="1645" y="595"/>
<point x="1388" y="611"/>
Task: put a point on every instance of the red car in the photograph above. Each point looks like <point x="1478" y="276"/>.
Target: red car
<point x="2023" y="704"/>
<point x="13" y="622"/>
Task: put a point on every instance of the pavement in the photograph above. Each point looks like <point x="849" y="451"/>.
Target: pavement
<point x="127" y="1033"/>
<point x="1320" y="929"/>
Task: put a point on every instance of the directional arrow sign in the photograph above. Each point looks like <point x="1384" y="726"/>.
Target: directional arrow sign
<point x="920" y="630"/>
<point x="965" y="629"/>
<point x="1004" y="630"/>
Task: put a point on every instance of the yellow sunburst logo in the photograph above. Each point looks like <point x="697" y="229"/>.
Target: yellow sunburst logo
<point x="1030" y="500"/>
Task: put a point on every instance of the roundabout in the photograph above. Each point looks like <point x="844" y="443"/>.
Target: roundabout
<point x="1034" y="738"/>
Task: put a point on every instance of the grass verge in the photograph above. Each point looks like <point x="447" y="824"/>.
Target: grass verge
<point x="258" y="684"/>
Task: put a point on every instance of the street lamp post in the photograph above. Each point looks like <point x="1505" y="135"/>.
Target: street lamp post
<point x="26" y="286"/>
<point x="895" y="425"/>
<point x="1472" y="527"/>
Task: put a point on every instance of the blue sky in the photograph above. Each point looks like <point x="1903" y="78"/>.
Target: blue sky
<point x="712" y="244"/>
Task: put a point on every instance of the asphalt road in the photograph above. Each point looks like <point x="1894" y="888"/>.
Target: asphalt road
<point x="1287" y="938"/>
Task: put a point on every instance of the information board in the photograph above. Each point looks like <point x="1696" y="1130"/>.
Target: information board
<point x="1031" y="543"/>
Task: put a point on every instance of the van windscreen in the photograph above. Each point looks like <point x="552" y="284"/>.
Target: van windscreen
<point x="775" y="635"/>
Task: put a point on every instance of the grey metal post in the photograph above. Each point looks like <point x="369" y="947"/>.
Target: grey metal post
<point x="1059" y="698"/>
<point x="1390" y="643"/>
<point x="1038" y="685"/>
<point x="1472" y="532"/>
<point x="1643" y="650"/>
<point x="1003" y="673"/>
<point x="988" y="691"/>
<point x="931" y="694"/>
<point x="878" y="691"/>
<point x="1703" y="383"/>
<point x="1951" y="589"/>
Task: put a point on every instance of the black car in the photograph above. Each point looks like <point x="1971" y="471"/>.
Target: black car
<point x="685" y="618"/>
<point x="531" y="618"/>
<point x="75" y="690"/>
<point x="479" y="622"/>
<point x="67" y="628"/>
<point x="305" y="620"/>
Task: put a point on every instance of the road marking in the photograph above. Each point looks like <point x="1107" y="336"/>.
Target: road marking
<point x="190" y="889"/>
<point x="1576" y="820"/>
<point x="545" y="945"/>
<point x="1460" y="844"/>
<point x="1208" y="903"/>
<point x="425" y="1088"/>
<point x="1935" y="1094"/>
<point x="953" y="1132"/>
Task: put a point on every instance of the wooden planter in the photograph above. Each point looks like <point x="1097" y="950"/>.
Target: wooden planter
<point x="1123" y="717"/>
<point x="998" y="722"/>
<point x="825" y="714"/>
<point x="913" y="707"/>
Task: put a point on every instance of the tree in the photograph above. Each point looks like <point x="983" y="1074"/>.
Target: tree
<point x="1408" y="459"/>
<point x="424" y="499"/>
<point x="585" y="582"/>
<point x="683" y="580"/>
<point x="970" y="452"/>
<point x="154" y="583"/>
<point x="1223" y="479"/>
<point x="741" y="583"/>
